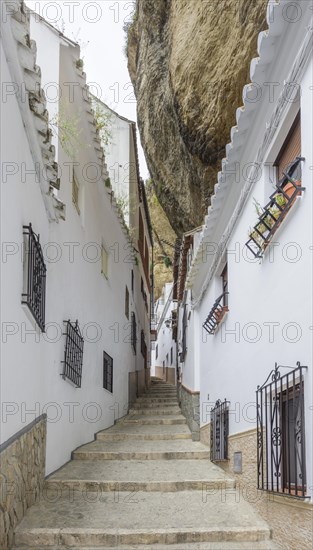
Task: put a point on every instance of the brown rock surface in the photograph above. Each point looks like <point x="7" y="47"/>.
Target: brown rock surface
<point x="188" y="61"/>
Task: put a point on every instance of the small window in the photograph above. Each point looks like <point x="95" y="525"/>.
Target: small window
<point x="156" y="351"/>
<point x="172" y="355"/>
<point x="143" y="345"/>
<point x="184" y="335"/>
<point x="127" y="302"/>
<point x="132" y="281"/>
<point x="73" y="354"/>
<point x="107" y="372"/>
<point x="141" y="235"/>
<point x="225" y="285"/>
<point x="290" y="150"/>
<point x="34" y="295"/>
<point x="75" y="193"/>
<point x="104" y="262"/>
<point x="134" y="333"/>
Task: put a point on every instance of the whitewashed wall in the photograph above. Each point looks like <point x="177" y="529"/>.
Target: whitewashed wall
<point x="31" y="380"/>
<point x="276" y="290"/>
<point x="164" y="342"/>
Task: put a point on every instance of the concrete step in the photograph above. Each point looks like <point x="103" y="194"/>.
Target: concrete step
<point x="143" y="450"/>
<point x="153" y="404"/>
<point x="162" y="411"/>
<point x="149" y="399"/>
<point x="125" y="519"/>
<point x="136" y="475"/>
<point x="232" y="545"/>
<point x="122" y="431"/>
<point x="153" y="420"/>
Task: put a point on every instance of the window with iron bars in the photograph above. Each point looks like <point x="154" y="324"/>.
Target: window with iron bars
<point x="73" y="354"/>
<point x="75" y="193"/>
<point x="134" y="332"/>
<point x="184" y="335"/>
<point x="219" y="431"/>
<point x="34" y="295"/>
<point x="143" y="344"/>
<point x="281" y="432"/>
<point x="107" y="372"/>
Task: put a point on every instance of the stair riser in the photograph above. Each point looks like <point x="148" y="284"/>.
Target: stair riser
<point x="142" y="437"/>
<point x="80" y="538"/>
<point x="157" y="421"/>
<point x="66" y="487"/>
<point x="103" y="455"/>
<point x="160" y="400"/>
<point x="154" y="405"/>
<point x="153" y="412"/>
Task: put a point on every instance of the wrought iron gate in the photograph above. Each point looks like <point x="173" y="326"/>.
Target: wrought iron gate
<point x="219" y="430"/>
<point x="281" y="433"/>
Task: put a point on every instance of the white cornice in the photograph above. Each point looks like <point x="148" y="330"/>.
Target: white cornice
<point x="257" y="66"/>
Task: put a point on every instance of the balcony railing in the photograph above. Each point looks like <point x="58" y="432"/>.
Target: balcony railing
<point x="35" y="270"/>
<point x="281" y="432"/>
<point x="274" y="212"/>
<point x="216" y="314"/>
<point x="219" y="430"/>
<point x="73" y="354"/>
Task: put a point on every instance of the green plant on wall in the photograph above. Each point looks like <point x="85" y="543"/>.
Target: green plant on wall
<point x="66" y="128"/>
<point x="167" y="262"/>
<point x="103" y="125"/>
<point x="80" y="64"/>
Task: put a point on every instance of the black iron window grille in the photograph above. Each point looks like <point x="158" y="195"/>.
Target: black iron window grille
<point x="183" y="352"/>
<point x="107" y="372"/>
<point x="216" y="314"/>
<point x="143" y="345"/>
<point x="281" y="432"/>
<point x="35" y="277"/>
<point x="134" y="333"/>
<point x="273" y="213"/>
<point x="219" y="430"/>
<point x="73" y="354"/>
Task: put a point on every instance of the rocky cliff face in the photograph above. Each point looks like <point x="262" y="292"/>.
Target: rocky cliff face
<point x="188" y="61"/>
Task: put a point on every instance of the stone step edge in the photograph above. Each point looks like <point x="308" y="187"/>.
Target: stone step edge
<point x="149" y="455"/>
<point x="154" y="420"/>
<point x="143" y="486"/>
<point x="71" y="536"/>
<point x="121" y="436"/>
<point x="227" y="545"/>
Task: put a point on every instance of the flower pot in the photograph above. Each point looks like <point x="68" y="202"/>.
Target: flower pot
<point x="219" y="313"/>
<point x="290" y="189"/>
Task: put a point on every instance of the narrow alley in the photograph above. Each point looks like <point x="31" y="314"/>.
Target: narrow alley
<point x="143" y="482"/>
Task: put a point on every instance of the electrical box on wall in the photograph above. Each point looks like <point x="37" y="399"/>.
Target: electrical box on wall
<point x="238" y="463"/>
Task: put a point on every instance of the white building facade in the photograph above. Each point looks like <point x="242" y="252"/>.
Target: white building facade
<point x="75" y="324"/>
<point x="245" y="314"/>
<point x="164" y="352"/>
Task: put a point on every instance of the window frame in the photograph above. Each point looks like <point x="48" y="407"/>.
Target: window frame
<point x="34" y="276"/>
<point x="107" y="372"/>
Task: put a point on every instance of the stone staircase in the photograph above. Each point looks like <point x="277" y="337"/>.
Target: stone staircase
<point x="143" y="484"/>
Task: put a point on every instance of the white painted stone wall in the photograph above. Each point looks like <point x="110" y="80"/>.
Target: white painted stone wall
<point x="163" y="310"/>
<point x="31" y="381"/>
<point x="270" y="301"/>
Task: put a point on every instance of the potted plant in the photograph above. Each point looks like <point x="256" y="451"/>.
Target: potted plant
<point x="220" y="312"/>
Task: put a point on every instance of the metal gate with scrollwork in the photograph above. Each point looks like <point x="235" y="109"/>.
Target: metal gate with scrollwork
<point x="219" y="431"/>
<point x="281" y="433"/>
